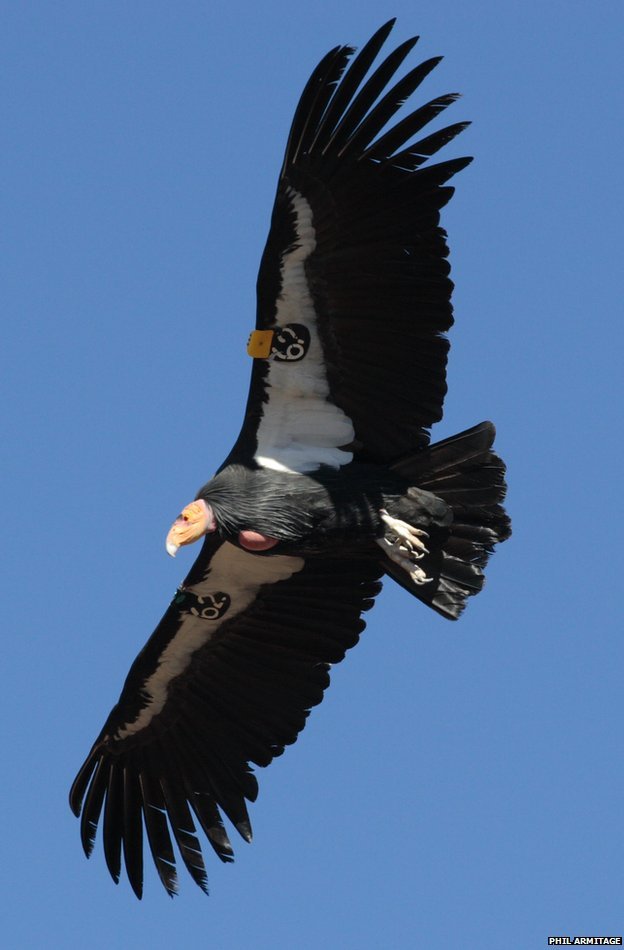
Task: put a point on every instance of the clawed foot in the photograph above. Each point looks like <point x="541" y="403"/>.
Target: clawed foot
<point x="403" y="545"/>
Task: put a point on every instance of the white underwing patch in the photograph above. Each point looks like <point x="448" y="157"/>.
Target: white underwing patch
<point x="239" y="574"/>
<point x="301" y="428"/>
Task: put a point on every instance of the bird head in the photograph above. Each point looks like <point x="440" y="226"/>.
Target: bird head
<point x="192" y="523"/>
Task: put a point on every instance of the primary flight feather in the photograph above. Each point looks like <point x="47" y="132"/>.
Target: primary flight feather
<point x="331" y="484"/>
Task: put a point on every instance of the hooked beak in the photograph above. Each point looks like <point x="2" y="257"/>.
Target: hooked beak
<point x="194" y="521"/>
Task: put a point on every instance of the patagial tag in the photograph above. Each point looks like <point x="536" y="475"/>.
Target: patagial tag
<point x="286" y="344"/>
<point x="206" y="606"/>
<point x="259" y="344"/>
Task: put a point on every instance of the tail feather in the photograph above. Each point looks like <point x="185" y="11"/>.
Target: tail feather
<point x="469" y="477"/>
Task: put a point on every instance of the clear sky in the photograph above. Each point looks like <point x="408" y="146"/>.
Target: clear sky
<point x="461" y="785"/>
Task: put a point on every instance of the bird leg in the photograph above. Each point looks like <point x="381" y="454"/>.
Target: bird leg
<point x="403" y="545"/>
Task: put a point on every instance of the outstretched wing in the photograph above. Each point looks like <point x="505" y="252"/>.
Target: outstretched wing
<point x="353" y="289"/>
<point x="227" y="678"/>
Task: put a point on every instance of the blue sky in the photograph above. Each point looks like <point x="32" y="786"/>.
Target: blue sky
<point x="461" y="785"/>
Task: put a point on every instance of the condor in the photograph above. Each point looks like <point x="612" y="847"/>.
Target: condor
<point x="331" y="485"/>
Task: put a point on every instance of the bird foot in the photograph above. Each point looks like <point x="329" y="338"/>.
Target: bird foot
<point x="403" y="544"/>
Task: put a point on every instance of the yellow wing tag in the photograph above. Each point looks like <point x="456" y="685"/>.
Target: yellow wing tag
<point x="259" y="344"/>
<point x="287" y="344"/>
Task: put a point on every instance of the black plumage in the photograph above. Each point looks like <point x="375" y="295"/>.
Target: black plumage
<point x="330" y="485"/>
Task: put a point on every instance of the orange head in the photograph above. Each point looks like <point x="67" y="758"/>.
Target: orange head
<point x="195" y="520"/>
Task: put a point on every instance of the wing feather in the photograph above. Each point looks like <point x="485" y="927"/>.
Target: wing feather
<point x="113" y="822"/>
<point x="181" y="821"/>
<point x="93" y="802"/>
<point x="156" y="822"/>
<point x="340" y="98"/>
<point x="132" y="838"/>
<point x="355" y="113"/>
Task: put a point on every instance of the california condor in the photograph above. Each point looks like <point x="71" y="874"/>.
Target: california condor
<point x="331" y="485"/>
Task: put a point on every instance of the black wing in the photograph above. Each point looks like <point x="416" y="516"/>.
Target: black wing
<point x="227" y="678"/>
<point x="354" y="275"/>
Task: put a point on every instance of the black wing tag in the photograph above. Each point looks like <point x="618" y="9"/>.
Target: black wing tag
<point x="286" y="344"/>
<point x="208" y="606"/>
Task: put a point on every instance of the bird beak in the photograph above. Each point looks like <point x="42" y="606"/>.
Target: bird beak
<point x="194" y="521"/>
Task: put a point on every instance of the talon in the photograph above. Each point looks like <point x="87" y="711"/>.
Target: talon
<point x="420" y="578"/>
<point x="402" y="543"/>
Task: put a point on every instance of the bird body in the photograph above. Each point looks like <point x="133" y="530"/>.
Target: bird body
<point x="331" y="485"/>
<point x="311" y="513"/>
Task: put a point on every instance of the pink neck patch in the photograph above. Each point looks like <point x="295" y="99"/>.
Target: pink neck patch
<point x="254" y="541"/>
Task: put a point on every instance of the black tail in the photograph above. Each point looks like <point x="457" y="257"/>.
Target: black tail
<point x="466" y="474"/>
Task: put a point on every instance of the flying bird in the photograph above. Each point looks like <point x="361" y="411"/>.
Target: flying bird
<point x="331" y="485"/>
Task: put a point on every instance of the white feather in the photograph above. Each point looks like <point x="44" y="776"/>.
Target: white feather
<point x="301" y="428"/>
